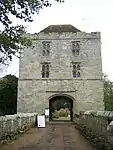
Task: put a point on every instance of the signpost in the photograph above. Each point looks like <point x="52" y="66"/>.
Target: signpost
<point x="41" y="121"/>
<point x="46" y="112"/>
<point x="43" y="118"/>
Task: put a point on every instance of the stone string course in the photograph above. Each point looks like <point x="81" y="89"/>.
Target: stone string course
<point x="97" y="127"/>
<point x="11" y="126"/>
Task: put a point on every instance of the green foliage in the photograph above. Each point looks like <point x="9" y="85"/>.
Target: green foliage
<point x="55" y="114"/>
<point x="61" y="102"/>
<point x="11" y="39"/>
<point x="22" y="9"/>
<point x="8" y="95"/>
<point x="108" y="94"/>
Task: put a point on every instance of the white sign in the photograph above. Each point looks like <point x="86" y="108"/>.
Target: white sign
<point x="46" y="112"/>
<point x="69" y="116"/>
<point x="41" y="121"/>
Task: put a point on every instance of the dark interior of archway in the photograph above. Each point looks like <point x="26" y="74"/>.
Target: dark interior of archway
<point x="61" y="108"/>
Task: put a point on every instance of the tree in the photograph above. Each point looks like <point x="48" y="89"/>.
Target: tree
<point x="8" y="95"/>
<point x="11" y="38"/>
<point x="108" y="94"/>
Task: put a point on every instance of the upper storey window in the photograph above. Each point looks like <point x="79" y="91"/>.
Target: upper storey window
<point x="75" y="47"/>
<point x="45" y="70"/>
<point x="46" y="48"/>
<point x="76" y="70"/>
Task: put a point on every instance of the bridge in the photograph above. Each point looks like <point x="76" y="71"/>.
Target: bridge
<point x="88" y="131"/>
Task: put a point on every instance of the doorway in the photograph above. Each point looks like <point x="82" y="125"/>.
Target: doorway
<point x="61" y="108"/>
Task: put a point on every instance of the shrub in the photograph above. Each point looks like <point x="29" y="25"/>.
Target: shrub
<point x="63" y="112"/>
<point x="55" y="114"/>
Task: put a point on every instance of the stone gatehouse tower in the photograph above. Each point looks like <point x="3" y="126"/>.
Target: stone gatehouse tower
<point x="63" y="61"/>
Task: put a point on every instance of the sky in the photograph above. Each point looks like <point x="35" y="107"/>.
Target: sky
<point x="86" y="15"/>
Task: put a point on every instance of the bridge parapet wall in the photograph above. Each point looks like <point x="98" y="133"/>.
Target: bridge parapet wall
<point x="97" y="127"/>
<point x="13" y="125"/>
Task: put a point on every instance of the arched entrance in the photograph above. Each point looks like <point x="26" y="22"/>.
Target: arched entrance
<point x="61" y="108"/>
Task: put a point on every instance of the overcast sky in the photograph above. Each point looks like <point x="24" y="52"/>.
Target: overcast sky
<point x="86" y="15"/>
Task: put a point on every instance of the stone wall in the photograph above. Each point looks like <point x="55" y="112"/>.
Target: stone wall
<point x="97" y="127"/>
<point x="61" y="57"/>
<point x="87" y="90"/>
<point x="34" y="95"/>
<point x="13" y="125"/>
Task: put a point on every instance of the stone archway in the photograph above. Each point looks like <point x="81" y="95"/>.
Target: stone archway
<point x="59" y="103"/>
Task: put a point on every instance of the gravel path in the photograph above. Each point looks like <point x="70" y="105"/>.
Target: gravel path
<point x="56" y="136"/>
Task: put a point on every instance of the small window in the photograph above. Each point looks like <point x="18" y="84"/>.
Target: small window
<point x="44" y="45"/>
<point x="43" y="74"/>
<point x="75" y="47"/>
<point x="74" y="74"/>
<point x="76" y="70"/>
<point x="46" y="48"/>
<point x="78" y="67"/>
<point x="47" y="74"/>
<point x="45" y="70"/>
<point x="74" y="67"/>
<point x="78" y="74"/>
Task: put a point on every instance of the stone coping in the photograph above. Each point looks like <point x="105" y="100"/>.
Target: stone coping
<point x="18" y="115"/>
<point x="108" y="114"/>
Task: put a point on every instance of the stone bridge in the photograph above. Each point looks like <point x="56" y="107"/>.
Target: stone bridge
<point x="89" y="131"/>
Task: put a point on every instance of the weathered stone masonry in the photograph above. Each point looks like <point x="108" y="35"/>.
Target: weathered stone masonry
<point x="13" y="125"/>
<point x="87" y="91"/>
<point x="97" y="127"/>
